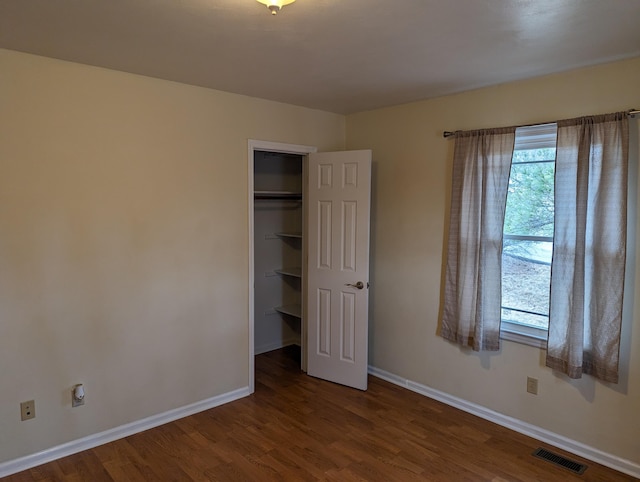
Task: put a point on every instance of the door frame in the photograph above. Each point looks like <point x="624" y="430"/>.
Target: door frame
<point x="257" y="145"/>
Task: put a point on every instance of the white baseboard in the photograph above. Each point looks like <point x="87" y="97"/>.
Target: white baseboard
<point x="85" y="443"/>
<point x="275" y="346"/>
<point x="564" y="443"/>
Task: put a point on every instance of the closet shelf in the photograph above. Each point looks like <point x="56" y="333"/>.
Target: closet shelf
<point x="289" y="235"/>
<point x="277" y="195"/>
<point x="291" y="310"/>
<point x="295" y="272"/>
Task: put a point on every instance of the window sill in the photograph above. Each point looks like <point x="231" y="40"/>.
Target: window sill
<point x="524" y="335"/>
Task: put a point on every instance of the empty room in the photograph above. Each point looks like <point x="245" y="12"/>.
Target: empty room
<point x="319" y="240"/>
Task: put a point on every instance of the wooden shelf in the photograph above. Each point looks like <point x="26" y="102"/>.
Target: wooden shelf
<point x="295" y="272"/>
<point x="277" y="195"/>
<point x="291" y="310"/>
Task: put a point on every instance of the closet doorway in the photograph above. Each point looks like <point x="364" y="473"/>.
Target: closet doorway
<point x="309" y="257"/>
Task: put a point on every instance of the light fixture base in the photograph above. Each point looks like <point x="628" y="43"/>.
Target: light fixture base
<point x="275" y="6"/>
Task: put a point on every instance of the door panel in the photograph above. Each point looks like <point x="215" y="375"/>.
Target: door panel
<point x="338" y="203"/>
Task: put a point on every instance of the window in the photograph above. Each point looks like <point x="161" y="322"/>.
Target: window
<point x="528" y="236"/>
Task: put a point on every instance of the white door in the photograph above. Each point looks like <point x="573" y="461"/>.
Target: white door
<point x="338" y="200"/>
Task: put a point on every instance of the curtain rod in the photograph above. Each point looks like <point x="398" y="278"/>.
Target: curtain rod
<point x="447" y="134"/>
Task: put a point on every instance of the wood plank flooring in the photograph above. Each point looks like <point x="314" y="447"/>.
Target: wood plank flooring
<point x="299" y="428"/>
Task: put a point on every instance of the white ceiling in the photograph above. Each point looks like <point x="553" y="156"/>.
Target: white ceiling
<point x="341" y="56"/>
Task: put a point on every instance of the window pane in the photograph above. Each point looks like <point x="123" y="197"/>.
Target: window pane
<point x="533" y="155"/>
<point x="530" y="199"/>
<point x="526" y="274"/>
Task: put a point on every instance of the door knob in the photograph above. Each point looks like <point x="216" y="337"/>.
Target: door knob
<point x="358" y="285"/>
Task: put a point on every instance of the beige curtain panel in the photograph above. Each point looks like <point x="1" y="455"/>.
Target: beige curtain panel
<point x="589" y="247"/>
<point x="481" y="165"/>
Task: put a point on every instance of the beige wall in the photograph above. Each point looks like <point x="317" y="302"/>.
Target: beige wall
<point x="123" y="245"/>
<point x="412" y="176"/>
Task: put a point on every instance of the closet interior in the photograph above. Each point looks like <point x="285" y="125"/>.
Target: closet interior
<point x="278" y="250"/>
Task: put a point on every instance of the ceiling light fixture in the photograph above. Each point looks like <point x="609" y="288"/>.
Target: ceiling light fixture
<point x="275" y="5"/>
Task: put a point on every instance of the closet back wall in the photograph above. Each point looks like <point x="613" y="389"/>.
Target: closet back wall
<point x="123" y="243"/>
<point x="278" y="245"/>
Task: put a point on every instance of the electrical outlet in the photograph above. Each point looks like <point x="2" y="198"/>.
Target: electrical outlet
<point x="532" y="385"/>
<point x="27" y="410"/>
<point x="77" y="395"/>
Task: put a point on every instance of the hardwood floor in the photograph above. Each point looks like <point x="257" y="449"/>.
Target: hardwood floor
<point x="299" y="428"/>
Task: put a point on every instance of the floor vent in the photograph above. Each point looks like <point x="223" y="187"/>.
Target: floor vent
<point x="572" y="465"/>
